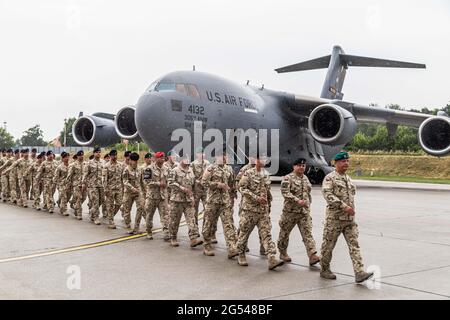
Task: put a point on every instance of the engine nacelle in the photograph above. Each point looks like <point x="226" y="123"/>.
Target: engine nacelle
<point x="125" y="125"/>
<point x="434" y="136"/>
<point x="332" y="125"/>
<point x="94" y="131"/>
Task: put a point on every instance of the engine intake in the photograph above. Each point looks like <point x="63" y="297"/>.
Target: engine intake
<point x="94" y="131"/>
<point x="332" y="125"/>
<point x="125" y="125"/>
<point x="434" y="136"/>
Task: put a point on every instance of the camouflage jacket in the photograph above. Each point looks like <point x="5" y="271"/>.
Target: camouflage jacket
<point x="32" y="170"/>
<point x="112" y="176"/>
<point x="293" y="189"/>
<point x="252" y="185"/>
<point x="13" y="168"/>
<point x="92" y="175"/>
<point x="199" y="167"/>
<point x="6" y="164"/>
<point x="214" y="175"/>
<point x="153" y="176"/>
<point x="60" y="178"/>
<point x="181" y="178"/>
<point x="46" y="171"/>
<point x="75" y="174"/>
<point x="339" y="192"/>
<point x="132" y="180"/>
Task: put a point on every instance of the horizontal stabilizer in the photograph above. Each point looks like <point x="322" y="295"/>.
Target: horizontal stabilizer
<point x="319" y="63"/>
<point x="357" y="61"/>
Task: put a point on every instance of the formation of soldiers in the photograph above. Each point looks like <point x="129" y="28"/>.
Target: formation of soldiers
<point x="176" y="188"/>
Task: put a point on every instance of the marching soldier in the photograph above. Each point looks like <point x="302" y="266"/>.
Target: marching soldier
<point x="155" y="198"/>
<point x="219" y="181"/>
<point x="38" y="186"/>
<point x="33" y="158"/>
<point x="46" y="173"/>
<point x="339" y="193"/>
<point x="92" y="181"/>
<point x="181" y="183"/>
<point x="113" y="186"/>
<point x="199" y="166"/>
<point x="75" y="177"/>
<point x="255" y="189"/>
<point x="23" y="178"/>
<point x="6" y="192"/>
<point x="2" y="161"/>
<point x="13" y="181"/>
<point x="296" y="190"/>
<point x="60" y="181"/>
<point x="133" y="191"/>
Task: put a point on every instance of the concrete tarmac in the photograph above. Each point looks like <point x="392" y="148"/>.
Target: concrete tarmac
<point x="404" y="237"/>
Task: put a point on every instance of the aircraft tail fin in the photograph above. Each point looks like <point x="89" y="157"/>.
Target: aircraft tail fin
<point x="337" y="64"/>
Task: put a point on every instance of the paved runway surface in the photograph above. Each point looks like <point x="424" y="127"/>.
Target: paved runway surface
<point x="404" y="234"/>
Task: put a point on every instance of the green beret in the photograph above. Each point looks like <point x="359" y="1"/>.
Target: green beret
<point x="341" y="155"/>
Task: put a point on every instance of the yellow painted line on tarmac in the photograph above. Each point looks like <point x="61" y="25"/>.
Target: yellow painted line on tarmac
<point x="85" y="246"/>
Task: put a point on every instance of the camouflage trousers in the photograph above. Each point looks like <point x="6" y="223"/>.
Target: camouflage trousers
<point x="14" y="188"/>
<point x="176" y="211"/>
<point x="96" y="197"/>
<point x="128" y="200"/>
<point x="78" y="198"/>
<point x="199" y="195"/>
<point x="303" y="221"/>
<point x="49" y="191"/>
<point x="212" y="213"/>
<point x="38" y="188"/>
<point x="5" y="187"/>
<point x="23" y="186"/>
<point x="332" y="230"/>
<point x="113" y="202"/>
<point x="63" y="192"/>
<point x="247" y="222"/>
<point x="150" y="207"/>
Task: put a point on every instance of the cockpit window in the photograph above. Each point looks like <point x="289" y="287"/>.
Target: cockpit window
<point x="165" y="86"/>
<point x="192" y="91"/>
<point x="152" y="86"/>
<point x="181" y="88"/>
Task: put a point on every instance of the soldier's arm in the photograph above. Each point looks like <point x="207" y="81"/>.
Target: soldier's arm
<point x="330" y="197"/>
<point x="243" y="188"/>
<point x="173" y="182"/>
<point x="56" y="175"/>
<point x="206" y="179"/>
<point x="40" y="172"/>
<point x="12" y="166"/>
<point x="232" y="185"/>
<point x="105" y="174"/>
<point x="84" y="179"/>
<point x="286" y="190"/>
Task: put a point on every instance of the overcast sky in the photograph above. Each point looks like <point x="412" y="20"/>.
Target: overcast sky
<point x="64" y="56"/>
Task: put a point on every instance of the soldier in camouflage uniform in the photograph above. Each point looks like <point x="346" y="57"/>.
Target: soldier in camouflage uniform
<point x="46" y="173"/>
<point x="6" y="191"/>
<point x="60" y="181"/>
<point x="33" y="158"/>
<point x="219" y="181"/>
<point x="199" y="166"/>
<point x="38" y="186"/>
<point x="113" y="185"/>
<point x="181" y="182"/>
<point x="2" y="161"/>
<point x="133" y="191"/>
<point x="92" y="181"/>
<point x="296" y="190"/>
<point x="155" y="182"/>
<point x="11" y="171"/>
<point x="255" y="189"/>
<point x="23" y="178"/>
<point x="75" y="177"/>
<point x="339" y="193"/>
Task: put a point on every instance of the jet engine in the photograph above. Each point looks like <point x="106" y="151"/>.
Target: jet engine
<point x="95" y="130"/>
<point x="332" y="125"/>
<point x="434" y="136"/>
<point x="125" y="125"/>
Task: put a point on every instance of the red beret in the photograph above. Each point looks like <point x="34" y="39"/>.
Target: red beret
<point x="159" y="155"/>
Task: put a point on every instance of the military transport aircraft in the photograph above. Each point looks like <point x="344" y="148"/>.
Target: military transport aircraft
<point x="309" y="127"/>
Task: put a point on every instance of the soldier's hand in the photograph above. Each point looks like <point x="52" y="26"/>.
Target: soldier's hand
<point x="262" y="200"/>
<point x="302" y="203"/>
<point x="162" y="184"/>
<point x="350" y="211"/>
<point x="83" y="188"/>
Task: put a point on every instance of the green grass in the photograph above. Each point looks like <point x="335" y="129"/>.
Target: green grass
<point x="403" y="179"/>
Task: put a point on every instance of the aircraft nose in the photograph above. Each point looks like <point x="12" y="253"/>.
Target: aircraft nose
<point x="151" y="119"/>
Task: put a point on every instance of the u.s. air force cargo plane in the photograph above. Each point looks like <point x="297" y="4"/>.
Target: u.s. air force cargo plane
<point x="309" y="127"/>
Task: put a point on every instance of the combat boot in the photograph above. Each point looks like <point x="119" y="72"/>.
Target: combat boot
<point x="149" y="235"/>
<point x="174" y="243"/>
<point x="232" y="253"/>
<point x="50" y="211"/>
<point x="214" y="240"/>
<point x="273" y="262"/>
<point x="327" y="274"/>
<point x="363" y="276"/>
<point x="166" y="237"/>
<point x="262" y="251"/>
<point x="97" y="222"/>
<point x="285" y="257"/>
<point x="208" y="251"/>
<point x="196" y="242"/>
<point x="111" y="225"/>
<point x="242" y="261"/>
<point x="313" y="259"/>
